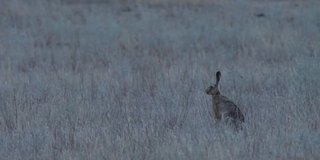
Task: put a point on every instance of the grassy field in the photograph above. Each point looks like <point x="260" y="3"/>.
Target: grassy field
<point x="125" y="80"/>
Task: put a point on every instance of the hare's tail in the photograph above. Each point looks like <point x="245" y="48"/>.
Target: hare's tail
<point x="239" y="115"/>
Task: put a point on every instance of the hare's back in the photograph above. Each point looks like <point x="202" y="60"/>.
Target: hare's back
<point x="231" y="110"/>
<point x="226" y="105"/>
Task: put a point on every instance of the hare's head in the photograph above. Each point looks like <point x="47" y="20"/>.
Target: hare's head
<point x="214" y="90"/>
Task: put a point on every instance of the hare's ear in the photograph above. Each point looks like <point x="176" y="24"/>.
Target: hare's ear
<point x="218" y="76"/>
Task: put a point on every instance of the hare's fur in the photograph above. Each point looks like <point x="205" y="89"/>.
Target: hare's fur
<point x="224" y="109"/>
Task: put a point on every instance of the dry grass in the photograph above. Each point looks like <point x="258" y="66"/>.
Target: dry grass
<point x="126" y="81"/>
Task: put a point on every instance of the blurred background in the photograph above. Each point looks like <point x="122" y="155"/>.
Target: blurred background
<point x="94" y="79"/>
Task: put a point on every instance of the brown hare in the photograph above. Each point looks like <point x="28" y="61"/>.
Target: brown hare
<point x="224" y="108"/>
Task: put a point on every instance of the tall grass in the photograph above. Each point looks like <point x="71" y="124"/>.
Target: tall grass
<point x="126" y="80"/>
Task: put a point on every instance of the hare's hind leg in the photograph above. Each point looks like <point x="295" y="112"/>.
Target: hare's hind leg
<point x="238" y="125"/>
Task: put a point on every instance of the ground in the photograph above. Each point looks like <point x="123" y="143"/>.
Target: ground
<point x="127" y="79"/>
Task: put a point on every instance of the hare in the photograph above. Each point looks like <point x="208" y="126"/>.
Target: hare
<point x="223" y="107"/>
